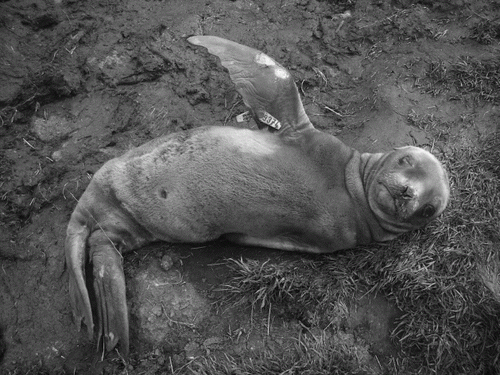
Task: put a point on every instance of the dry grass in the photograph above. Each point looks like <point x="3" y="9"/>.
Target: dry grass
<point x="485" y="31"/>
<point x="471" y="78"/>
<point x="316" y="353"/>
<point x="304" y="288"/>
<point x="440" y="130"/>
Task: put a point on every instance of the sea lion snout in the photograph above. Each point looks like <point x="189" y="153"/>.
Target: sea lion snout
<point x="410" y="188"/>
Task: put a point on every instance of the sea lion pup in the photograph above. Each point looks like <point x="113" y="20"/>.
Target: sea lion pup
<point x="297" y="189"/>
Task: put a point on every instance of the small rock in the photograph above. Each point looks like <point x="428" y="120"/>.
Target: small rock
<point x="161" y="360"/>
<point x="156" y="310"/>
<point x="192" y="350"/>
<point x="213" y="342"/>
<point x="166" y="262"/>
<point x="56" y="155"/>
<point x="53" y="128"/>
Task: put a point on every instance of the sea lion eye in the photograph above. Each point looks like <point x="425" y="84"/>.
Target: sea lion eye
<point x="427" y="211"/>
<point x="405" y="160"/>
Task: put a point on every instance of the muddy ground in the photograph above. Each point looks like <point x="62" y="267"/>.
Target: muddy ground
<point x="82" y="81"/>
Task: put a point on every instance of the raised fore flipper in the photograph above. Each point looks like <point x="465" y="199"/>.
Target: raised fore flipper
<point x="267" y="88"/>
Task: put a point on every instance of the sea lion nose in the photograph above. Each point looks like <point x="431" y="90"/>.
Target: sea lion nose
<point x="407" y="193"/>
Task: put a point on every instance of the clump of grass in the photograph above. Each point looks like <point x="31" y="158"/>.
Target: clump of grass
<point x="304" y="289"/>
<point x="436" y="74"/>
<point x="33" y="370"/>
<point x="469" y="77"/>
<point x="318" y="353"/>
<point x="439" y="129"/>
<point x="444" y="278"/>
<point x="485" y="31"/>
<point x="489" y="271"/>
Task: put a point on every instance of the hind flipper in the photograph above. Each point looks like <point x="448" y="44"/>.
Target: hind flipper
<point x="266" y="86"/>
<point x="109" y="285"/>
<point x="76" y="239"/>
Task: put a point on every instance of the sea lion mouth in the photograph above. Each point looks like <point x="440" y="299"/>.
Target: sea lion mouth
<point x="390" y="209"/>
<point x="401" y="199"/>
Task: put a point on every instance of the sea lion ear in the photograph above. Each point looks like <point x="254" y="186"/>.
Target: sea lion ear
<point x="267" y="87"/>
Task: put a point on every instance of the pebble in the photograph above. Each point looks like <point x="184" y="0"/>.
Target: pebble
<point x="56" y="155"/>
<point x="166" y="262"/>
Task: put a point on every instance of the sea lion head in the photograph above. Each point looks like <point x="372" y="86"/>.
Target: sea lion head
<point x="407" y="188"/>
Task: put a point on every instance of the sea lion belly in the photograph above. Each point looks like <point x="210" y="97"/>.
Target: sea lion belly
<point x="212" y="181"/>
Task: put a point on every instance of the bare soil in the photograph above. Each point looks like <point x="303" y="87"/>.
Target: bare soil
<point x="83" y="81"/>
